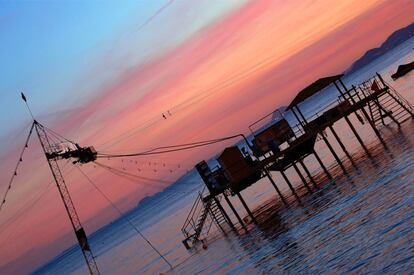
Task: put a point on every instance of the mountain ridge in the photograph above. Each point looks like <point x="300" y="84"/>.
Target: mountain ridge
<point x="395" y="39"/>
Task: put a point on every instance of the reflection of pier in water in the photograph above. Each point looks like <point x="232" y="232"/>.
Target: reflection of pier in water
<point x="279" y="147"/>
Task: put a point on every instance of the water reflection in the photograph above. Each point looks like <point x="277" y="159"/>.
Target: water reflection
<point x="348" y="225"/>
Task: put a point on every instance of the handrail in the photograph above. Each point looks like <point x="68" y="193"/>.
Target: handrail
<point x="189" y="220"/>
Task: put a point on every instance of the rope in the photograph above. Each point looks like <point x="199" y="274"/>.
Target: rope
<point x="122" y="214"/>
<point x="117" y="171"/>
<point x="169" y="149"/>
<point x="17" y="166"/>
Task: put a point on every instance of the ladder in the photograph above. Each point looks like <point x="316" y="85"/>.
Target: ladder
<point x="203" y="214"/>
<point x="217" y="215"/>
<point x="389" y="104"/>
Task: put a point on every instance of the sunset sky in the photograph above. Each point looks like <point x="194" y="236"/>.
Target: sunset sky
<point x="102" y="74"/>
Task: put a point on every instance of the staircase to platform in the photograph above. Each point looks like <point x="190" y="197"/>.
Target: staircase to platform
<point x="389" y="106"/>
<point x="203" y="214"/>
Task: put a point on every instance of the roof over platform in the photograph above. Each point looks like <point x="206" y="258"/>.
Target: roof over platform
<point x="314" y="88"/>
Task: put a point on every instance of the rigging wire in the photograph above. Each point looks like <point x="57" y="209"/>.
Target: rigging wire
<point x="17" y="166"/>
<point x="169" y="149"/>
<point x="184" y="144"/>
<point x="117" y="171"/>
<point x="123" y="215"/>
<point x="26" y="208"/>
<point x="22" y="211"/>
<point x="156" y="152"/>
<point x="203" y="93"/>
<point x="57" y="135"/>
<point x="132" y="178"/>
<point x="131" y="132"/>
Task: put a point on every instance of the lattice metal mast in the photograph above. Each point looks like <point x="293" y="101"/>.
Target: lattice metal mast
<point x="82" y="155"/>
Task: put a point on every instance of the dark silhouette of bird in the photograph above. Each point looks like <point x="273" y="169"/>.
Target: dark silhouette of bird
<point x="164" y="116"/>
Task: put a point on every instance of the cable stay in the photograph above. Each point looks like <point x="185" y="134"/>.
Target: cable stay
<point x="14" y="174"/>
<point x="28" y="205"/>
<point x="124" y="216"/>
<point x="21" y="212"/>
<point x="170" y="149"/>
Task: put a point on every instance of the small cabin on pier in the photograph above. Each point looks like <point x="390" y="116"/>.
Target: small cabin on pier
<point x="235" y="172"/>
<point x="240" y="170"/>
<point x="272" y="137"/>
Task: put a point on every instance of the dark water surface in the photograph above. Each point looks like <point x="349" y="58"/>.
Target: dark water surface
<point x="360" y="222"/>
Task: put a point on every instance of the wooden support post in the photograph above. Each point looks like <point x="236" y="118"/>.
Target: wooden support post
<point x="338" y="160"/>
<point x="356" y="135"/>
<point x="339" y="90"/>
<point x="289" y="184"/>
<point x="370" y="111"/>
<point x="362" y="91"/>
<point x="234" y="211"/>
<point x="308" y="173"/>
<point x="186" y="245"/>
<point x="341" y="144"/>
<point x="247" y="208"/>
<point x="301" y="114"/>
<point x="269" y="176"/>
<point x="380" y="110"/>
<point x="356" y="92"/>
<point x="382" y="80"/>
<point x="322" y="165"/>
<point x="377" y="133"/>
<point x="364" y="112"/>
<point x="301" y="177"/>
<point x="224" y="214"/>
<point x="297" y="117"/>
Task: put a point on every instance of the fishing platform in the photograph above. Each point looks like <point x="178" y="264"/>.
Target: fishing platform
<point x="278" y="146"/>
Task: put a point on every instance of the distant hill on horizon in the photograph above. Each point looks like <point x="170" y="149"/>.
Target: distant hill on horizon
<point x="395" y="39"/>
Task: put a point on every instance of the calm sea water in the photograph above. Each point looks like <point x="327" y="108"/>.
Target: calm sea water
<point x="359" y="222"/>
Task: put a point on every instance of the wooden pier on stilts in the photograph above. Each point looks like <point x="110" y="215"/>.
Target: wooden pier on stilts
<point x="279" y="147"/>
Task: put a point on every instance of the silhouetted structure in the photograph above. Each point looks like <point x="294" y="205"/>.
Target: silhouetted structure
<point x="81" y="155"/>
<point x="280" y="146"/>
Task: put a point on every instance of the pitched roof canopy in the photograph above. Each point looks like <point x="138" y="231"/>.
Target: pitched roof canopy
<point x="312" y="89"/>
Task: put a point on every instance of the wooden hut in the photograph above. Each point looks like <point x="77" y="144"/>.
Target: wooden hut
<point x="272" y="137"/>
<point x="241" y="171"/>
